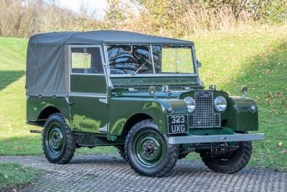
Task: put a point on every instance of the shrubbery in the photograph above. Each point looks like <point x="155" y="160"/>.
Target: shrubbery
<point x="175" y="18"/>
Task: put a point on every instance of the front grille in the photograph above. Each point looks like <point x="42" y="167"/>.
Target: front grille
<point x="204" y="116"/>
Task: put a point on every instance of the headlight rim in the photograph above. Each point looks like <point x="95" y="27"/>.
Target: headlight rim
<point x="218" y="105"/>
<point x="190" y="102"/>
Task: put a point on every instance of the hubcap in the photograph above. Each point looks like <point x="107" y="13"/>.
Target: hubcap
<point x="55" y="140"/>
<point x="148" y="149"/>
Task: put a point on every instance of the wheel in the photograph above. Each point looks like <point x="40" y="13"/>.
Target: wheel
<point x="230" y="162"/>
<point x="121" y="149"/>
<point x="57" y="139"/>
<point x="148" y="151"/>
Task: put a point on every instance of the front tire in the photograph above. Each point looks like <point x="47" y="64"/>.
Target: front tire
<point x="230" y="162"/>
<point x="57" y="140"/>
<point x="148" y="151"/>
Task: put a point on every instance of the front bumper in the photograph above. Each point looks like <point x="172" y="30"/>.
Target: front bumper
<point x="215" y="138"/>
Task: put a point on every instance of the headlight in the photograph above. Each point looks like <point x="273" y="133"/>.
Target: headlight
<point x="220" y="104"/>
<point x="190" y="104"/>
<point x="253" y="108"/>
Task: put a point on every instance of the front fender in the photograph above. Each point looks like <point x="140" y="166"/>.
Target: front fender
<point x="122" y="109"/>
<point x="243" y="114"/>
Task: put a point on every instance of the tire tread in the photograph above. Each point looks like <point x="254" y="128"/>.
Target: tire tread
<point x="172" y="151"/>
<point x="70" y="146"/>
<point x="233" y="167"/>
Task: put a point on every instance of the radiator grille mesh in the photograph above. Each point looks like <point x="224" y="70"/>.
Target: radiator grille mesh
<point x="204" y="116"/>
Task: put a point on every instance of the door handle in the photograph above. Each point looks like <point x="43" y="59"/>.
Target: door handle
<point x="71" y="103"/>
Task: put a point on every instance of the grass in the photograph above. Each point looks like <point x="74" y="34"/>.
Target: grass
<point x="251" y="56"/>
<point x="12" y="175"/>
<point x="13" y="54"/>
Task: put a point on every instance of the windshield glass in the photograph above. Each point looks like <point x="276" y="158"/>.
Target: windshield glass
<point x="136" y="59"/>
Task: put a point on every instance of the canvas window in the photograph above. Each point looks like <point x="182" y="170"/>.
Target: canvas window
<point x="86" y="60"/>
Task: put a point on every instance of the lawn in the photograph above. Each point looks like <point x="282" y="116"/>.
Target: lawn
<point x="251" y="56"/>
<point x="14" y="175"/>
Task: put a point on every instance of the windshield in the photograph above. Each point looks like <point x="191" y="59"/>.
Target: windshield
<point x="136" y="59"/>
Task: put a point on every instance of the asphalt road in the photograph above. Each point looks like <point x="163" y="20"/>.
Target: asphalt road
<point x="111" y="173"/>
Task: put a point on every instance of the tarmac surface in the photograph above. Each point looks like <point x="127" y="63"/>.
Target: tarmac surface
<point x="110" y="173"/>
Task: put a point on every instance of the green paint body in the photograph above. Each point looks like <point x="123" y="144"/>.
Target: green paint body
<point x="100" y="115"/>
<point x="88" y="114"/>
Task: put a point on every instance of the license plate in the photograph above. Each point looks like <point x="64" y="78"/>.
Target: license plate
<point x="177" y="124"/>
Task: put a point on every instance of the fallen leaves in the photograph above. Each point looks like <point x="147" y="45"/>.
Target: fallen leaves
<point x="280" y="144"/>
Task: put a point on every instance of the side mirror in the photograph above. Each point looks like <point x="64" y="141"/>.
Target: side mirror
<point x="198" y="64"/>
<point x="244" y="91"/>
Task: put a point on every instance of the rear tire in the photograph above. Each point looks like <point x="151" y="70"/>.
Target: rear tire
<point x="230" y="162"/>
<point x="148" y="151"/>
<point x="57" y="140"/>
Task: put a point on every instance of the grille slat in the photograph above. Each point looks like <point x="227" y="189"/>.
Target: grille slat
<point x="204" y="116"/>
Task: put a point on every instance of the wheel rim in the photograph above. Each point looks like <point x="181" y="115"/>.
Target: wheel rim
<point x="148" y="149"/>
<point x="54" y="140"/>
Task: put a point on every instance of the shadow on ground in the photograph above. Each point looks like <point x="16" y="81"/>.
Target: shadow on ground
<point x="8" y="77"/>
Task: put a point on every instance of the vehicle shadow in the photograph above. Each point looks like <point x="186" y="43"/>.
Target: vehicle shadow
<point x="8" y="77"/>
<point x="182" y="167"/>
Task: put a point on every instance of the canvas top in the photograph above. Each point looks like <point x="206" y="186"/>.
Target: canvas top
<point x="48" y="71"/>
<point x="102" y="37"/>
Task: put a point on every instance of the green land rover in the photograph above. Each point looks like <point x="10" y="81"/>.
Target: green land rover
<point x="139" y="93"/>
